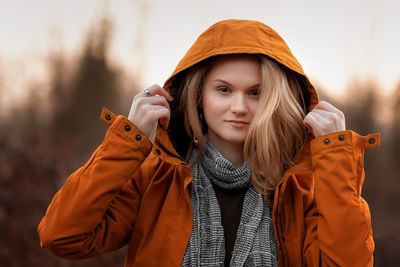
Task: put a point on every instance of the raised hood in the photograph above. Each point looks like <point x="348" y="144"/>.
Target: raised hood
<point x="234" y="37"/>
<point x="241" y="37"/>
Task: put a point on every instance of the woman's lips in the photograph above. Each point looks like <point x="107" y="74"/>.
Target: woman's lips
<point x="238" y="124"/>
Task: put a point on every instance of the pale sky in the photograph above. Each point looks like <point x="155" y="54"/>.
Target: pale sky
<point x="333" y="40"/>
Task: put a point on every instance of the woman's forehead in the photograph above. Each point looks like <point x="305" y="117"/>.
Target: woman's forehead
<point x="234" y="67"/>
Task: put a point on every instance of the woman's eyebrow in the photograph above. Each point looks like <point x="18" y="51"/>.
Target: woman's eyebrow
<point x="223" y="81"/>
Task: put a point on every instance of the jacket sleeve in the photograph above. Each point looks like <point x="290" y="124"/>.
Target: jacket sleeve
<point x="339" y="224"/>
<point x="95" y="209"/>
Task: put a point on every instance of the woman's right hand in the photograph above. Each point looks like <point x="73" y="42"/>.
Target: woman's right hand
<point x="149" y="109"/>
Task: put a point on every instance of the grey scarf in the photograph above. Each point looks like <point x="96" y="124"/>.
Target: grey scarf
<point x="255" y="241"/>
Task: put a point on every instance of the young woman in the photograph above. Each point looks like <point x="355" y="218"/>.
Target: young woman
<point x="232" y="162"/>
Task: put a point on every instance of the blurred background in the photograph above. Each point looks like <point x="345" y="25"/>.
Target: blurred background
<point x="61" y="61"/>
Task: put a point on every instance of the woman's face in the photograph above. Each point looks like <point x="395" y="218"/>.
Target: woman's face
<point x="230" y="98"/>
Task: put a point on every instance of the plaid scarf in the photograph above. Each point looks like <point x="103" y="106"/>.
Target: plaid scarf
<point x="255" y="241"/>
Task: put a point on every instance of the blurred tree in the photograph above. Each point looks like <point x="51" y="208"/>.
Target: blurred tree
<point x="2" y="117"/>
<point x="77" y="104"/>
<point x="36" y="157"/>
<point x="360" y="106"/>
<point x="386" y="199"/>
<point x="392" y="182"/>
<point x="395" y="129"/>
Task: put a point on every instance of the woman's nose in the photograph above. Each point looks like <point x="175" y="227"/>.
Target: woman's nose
<point x="239" y="104"/>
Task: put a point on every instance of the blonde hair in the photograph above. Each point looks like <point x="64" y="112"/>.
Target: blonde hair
<point x="191" y="98"/>
<point x="276" y="133"/>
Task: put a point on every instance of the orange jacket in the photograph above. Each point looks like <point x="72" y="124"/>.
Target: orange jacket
<point x="132" y="192"/>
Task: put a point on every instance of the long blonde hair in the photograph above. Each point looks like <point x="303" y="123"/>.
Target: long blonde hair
<point x="276" y="133"/>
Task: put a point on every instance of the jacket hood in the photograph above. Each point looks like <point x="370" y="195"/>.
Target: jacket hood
<point x="236" y="37"/>
<point x="242" y="37"/>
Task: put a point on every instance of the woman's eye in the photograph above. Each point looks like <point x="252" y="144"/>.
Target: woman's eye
<point x="223" y="89"/>
<point x="255" y="92"/>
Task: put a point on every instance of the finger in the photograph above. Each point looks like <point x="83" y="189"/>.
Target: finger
<point x="143" y="103"/>
<point x="153" y="114"/>
<point x="157" y="90"/>
<point x="323" y="105"/>
<point x="149" y="109"/>
<point x="321" y="124"/>
<point x="333" y="116"/>
<point x="162" y="92"/>
<point x="156" y="101"/>
<point x="143" y="108"/>
<point x="317" y="123"/>
<point x="322" y="116"/>
<point x="162" y="115"/>
<point x="158" y="115"/>
<point x="310" y="122"/>
<point x="330" y="118"/>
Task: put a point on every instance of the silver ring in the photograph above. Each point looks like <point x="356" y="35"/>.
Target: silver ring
<point x="147" y="91"/>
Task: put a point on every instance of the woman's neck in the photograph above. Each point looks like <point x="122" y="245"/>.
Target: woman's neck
<point x="231" y="151"/>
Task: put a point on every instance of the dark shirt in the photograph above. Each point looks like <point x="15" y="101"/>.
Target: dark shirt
<point x="231" y="204"/>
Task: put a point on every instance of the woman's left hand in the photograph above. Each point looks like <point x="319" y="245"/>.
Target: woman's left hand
<point x="325" y="119"/>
